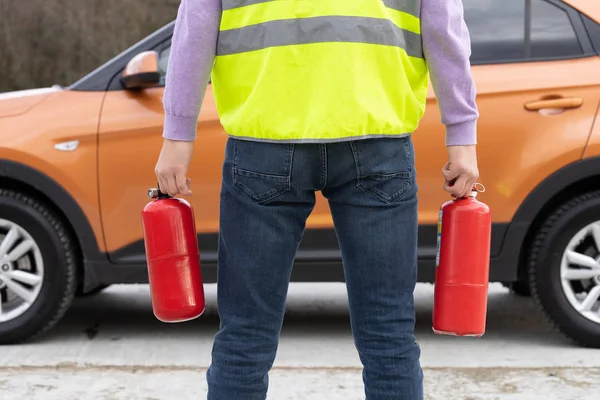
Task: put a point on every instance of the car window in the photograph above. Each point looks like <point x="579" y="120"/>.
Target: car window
<point x="499" y="33"/>
<point x="552" y="34"/>
<point x="497" y="29"/>
<point x="163" y="62"/>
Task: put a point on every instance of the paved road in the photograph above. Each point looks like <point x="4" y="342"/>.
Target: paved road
<point x="110" y="347"/>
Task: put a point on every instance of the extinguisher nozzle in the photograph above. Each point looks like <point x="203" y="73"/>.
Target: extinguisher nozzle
<point x="153" y="193"/>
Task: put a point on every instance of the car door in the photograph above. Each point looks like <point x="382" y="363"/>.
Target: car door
<point x="130" y="139"/>
<point x="533" y="65"/>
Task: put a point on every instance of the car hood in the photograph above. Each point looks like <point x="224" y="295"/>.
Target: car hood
<point x="19" y="102"/>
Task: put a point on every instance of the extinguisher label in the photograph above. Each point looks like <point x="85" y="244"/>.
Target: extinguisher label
<point x="439" y="238"/>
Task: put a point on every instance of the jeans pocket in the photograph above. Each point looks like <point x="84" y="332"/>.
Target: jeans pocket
<point x="384" y="167"/>
<point x="262" y="171"/>
<point x="388" y="188"/>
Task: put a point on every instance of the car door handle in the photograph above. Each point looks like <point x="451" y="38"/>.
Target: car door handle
<point x="560" y="103"/>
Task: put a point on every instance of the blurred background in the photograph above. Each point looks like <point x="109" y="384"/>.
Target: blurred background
<point x="43" y="43"/>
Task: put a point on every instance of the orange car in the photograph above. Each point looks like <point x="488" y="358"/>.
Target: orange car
<point x="76" y="162"/>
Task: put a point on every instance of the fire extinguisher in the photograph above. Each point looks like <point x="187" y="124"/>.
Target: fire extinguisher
<point x="462" y="266"/>
<point x="173" y="258"/>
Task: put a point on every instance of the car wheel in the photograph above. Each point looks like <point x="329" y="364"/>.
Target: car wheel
<point x="38" y="268"/>
<point x="564" y="269"/>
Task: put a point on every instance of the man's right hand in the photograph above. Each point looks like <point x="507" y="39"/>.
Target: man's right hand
<point x="172" y="166"/>
<point x="460" y="172"/>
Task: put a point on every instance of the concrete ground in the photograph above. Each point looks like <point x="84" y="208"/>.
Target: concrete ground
<point x="110" y="347"/>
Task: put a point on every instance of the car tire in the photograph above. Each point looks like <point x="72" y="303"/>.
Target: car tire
<point x="555" y="266"/>
<point x="43" y="278"/>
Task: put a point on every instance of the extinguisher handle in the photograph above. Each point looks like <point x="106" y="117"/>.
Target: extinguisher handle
<point x="477" y="188"/>
<point x="156" y="193"/>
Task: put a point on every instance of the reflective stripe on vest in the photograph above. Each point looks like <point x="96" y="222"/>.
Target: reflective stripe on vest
<point x="318" y="30"/>
<point x="319" y="70"/>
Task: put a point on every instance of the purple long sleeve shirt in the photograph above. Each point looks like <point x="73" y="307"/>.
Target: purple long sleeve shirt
<point x="446" y="45"/>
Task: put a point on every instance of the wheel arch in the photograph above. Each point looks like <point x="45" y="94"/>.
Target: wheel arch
<point x="16" y="176"/>
<point x="570" y="181"/>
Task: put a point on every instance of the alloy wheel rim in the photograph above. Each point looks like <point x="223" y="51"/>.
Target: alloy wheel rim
<point x="21" y="270"/>
<point x="580" y="272"/>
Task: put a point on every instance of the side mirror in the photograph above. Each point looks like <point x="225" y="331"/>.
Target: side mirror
<point x="142" y="71"/>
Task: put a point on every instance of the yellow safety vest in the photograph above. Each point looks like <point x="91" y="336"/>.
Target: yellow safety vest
<point x="319" y="70"/>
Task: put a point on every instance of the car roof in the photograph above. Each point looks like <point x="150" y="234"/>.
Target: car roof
<point x="591" y="8"/>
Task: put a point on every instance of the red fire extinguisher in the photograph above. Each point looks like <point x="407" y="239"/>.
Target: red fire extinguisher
<point x="173" y="258"/>
<point x="462" y="266"/>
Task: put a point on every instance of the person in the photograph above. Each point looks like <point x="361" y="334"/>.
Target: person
<point x="318" y="95"/>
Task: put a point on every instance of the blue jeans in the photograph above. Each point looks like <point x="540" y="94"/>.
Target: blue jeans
<point x="268" y="192"/>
